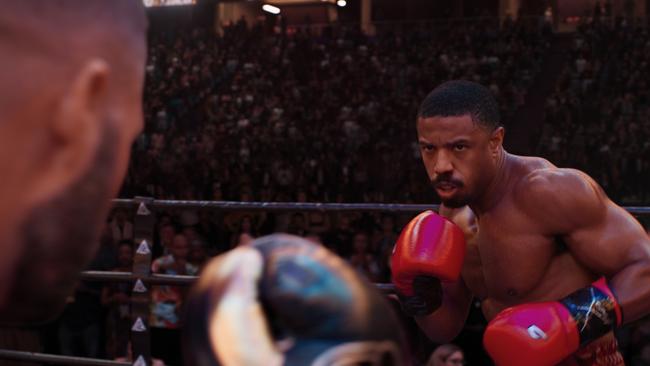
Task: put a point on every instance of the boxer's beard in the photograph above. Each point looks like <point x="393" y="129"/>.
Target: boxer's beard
<point x="59" y="238"/>
<point x="459" y="199"/>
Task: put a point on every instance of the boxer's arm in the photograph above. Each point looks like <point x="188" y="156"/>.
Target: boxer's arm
<point x="600" y="235"/>
<point x="444" y="324"/>
<point x="426" y="266"/>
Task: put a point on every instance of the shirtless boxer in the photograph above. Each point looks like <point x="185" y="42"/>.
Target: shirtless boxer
<point x="71" y="77"/>
<point x="556" y="264"/>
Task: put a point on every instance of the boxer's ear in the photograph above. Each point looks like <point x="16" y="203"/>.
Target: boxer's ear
<point x="73" y="130"/>
<point x="496" y="140"/>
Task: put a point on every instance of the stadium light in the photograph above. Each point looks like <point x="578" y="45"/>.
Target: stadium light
<point x="341" y="3"/>
<point x="271" y="9"/>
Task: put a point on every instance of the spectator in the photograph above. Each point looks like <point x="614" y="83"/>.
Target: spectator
<point x="167" y="302"/>
<point x="166" y="235"/>
<point x="386" y="239"/>
<point x="198" y="256"/>
<point x="362" y="259"/>
<point x="117" y="298"/>
<point x="317" y="222"/>
<point x="244" y="230"/>
<point x="339" y="240"/>
<point x="297" y="225"/>
<point x="121" y="228"/>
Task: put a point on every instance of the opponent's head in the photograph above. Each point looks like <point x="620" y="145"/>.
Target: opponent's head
<point x="70" y="106"/>
<point x="294" y="303"/>
<point x="460" y="139"/>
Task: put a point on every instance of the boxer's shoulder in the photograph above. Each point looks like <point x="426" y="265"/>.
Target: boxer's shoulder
<point x="558" y="193"/>
<point x="549" y="183"/>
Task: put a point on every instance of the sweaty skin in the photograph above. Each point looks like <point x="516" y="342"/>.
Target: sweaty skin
<point x="535" y="233"/>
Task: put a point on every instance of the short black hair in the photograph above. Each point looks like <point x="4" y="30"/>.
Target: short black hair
<point x="461" y="97"/>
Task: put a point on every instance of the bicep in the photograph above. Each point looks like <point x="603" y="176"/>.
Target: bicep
<point x="619" y="249"/>
<point x="610" y="243"/>
<point x="599" y="234"/>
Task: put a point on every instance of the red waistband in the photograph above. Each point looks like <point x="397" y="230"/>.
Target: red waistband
<point x="601" y="352"/>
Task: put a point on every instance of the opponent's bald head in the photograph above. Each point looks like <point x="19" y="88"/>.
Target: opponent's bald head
<point x="117" y="17"/>
<point x="55" y="37"/>
<point x="71" y="79"/>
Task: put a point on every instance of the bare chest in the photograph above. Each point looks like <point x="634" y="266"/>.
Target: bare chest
<point x="508" y="257"/>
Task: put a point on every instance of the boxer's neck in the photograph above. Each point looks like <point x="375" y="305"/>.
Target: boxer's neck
<point x="497" y="187"/>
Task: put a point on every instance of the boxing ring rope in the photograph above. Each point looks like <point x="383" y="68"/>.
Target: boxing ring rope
<point x="56" y="359"/>
<point x="143" y="228"/>
<point x="173" y="280"/>
<point x="154" y="279"/>
<point x="307" y="206"/>
<point x="281" y="206"/>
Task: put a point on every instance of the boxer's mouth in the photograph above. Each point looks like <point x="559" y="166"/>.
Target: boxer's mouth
<point x="445" y="189"/>
<point x="445" y="186"/>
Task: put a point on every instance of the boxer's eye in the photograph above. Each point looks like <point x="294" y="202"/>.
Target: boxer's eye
<point x="460" y="147"/>
<point x="427" y="147"/>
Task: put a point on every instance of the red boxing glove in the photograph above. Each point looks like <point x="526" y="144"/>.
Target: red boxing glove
<point x="543" y="334"/>
<point x="429" y="249"/>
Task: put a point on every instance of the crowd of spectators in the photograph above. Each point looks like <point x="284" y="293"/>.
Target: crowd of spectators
<point x="598" y="118"/>
<point x="252" y="115"/>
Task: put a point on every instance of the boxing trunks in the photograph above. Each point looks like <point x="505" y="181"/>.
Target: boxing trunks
<point x="601" y="352"/>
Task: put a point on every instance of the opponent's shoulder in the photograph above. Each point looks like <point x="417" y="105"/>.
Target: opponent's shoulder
<point x="463" y="217"/>
<point x="563" y="193"/>
<point x="453" y="214"/>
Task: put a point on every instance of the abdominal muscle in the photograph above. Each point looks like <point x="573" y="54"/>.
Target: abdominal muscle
<point x="563" y="276"/>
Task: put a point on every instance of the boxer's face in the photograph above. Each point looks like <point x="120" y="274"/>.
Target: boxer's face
<point x="89" y="130"/>
<point x="180" y="247"/>
<point x="458" y="155"/>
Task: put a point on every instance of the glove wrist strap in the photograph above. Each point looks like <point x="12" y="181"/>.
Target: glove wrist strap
<point x="595" y="311"/>
<point x="427" y="297"/>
